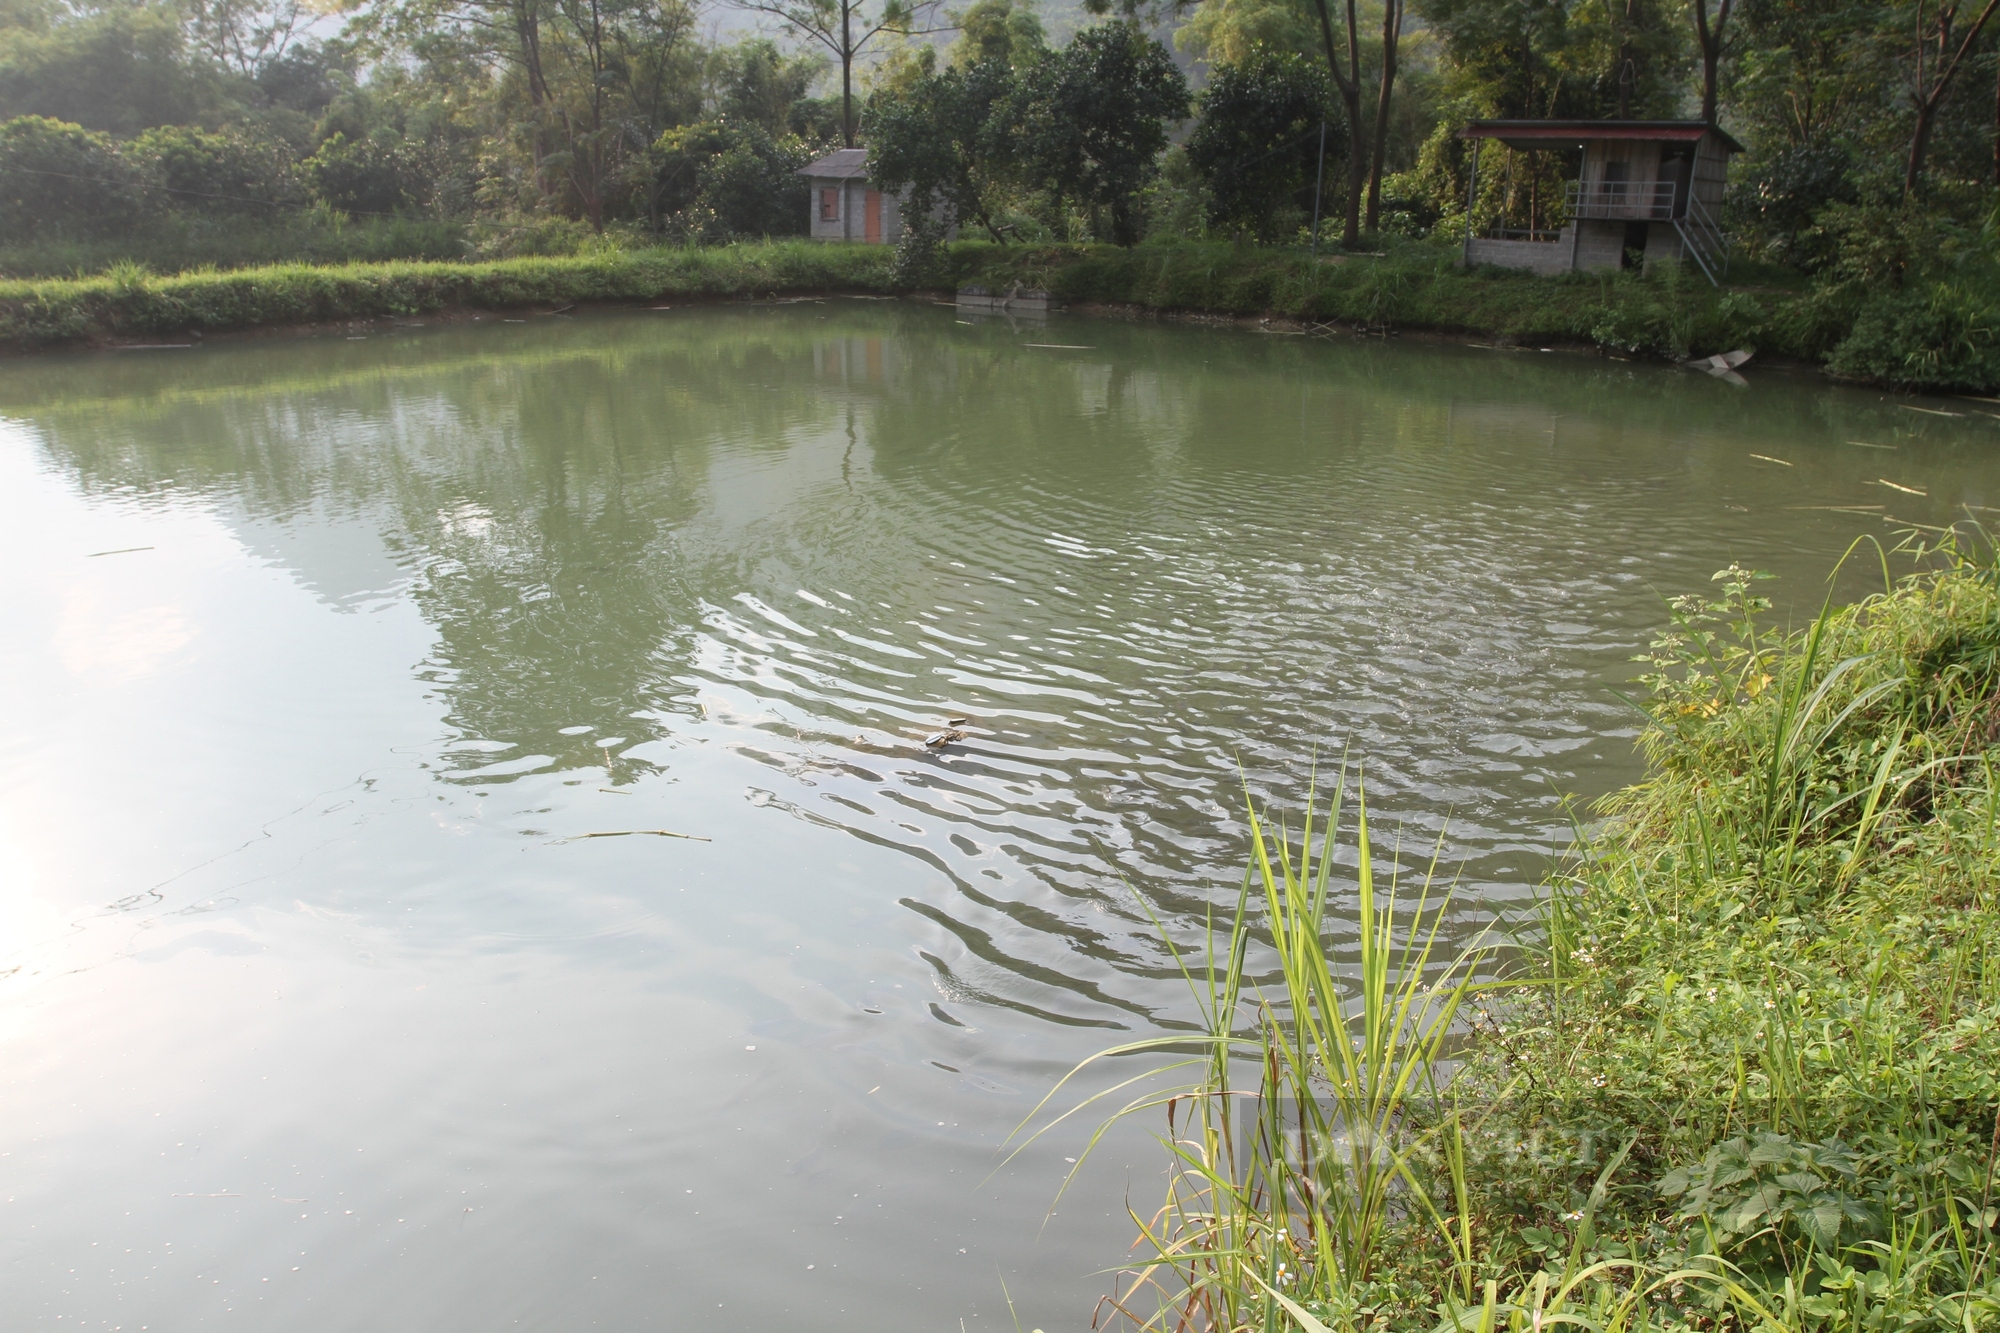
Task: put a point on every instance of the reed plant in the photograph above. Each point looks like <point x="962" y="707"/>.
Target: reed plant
<point x="1315" y="1089"/>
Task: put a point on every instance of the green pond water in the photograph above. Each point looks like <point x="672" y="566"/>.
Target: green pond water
<point x="317" y="1014"/>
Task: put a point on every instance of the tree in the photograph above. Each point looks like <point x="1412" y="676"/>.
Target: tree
<point x="999" y="30"/>
<point x="119" y="69"/>
<point x="845" y="28"/>
<point x="1936" y="64"/>
<point x="1348" y="82"/>
<point x="723" y="179"/>
<point x="243" y="36"/>
<point x="1093" y="119"/>
<point x="1709" y="36"/>
<point x="948" y="139"/>
<point x="1257" y="142"/>
<point x="755" y="81"/>
<point x="1392" y="30"/>
<point x="369" y="175"/>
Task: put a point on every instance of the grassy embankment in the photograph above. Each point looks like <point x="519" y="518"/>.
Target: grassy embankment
<point x="1418" y="286"/>
<point x="1742" y="1069"/>
<point x="129" y="303"/>
<point x="1415" y="288"/>
<point x="1922" y="334"/>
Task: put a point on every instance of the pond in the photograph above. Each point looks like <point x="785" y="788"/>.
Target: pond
<point x="320" y="1009"/>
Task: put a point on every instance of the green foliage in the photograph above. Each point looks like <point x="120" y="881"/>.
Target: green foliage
<point x="1282" y="1195"/>
<point x="1093" y="119"/>
<point x="1258" y="142"/>
<point x="198" y="171"/>
<point x="116" y="68"/>
<point x="1413" y="286"/>
<point x="1749" y="1186"/>
<point x="1930" y="335"/>
<point x="1741" y="1067"/>
<point x="949" y="139"/>
<point x="59" y="180"/>
<point x="720" y="180"/>
<point x="178" y="242"/>
<point x="129" y="303"/>
<point x="372" y="175"/>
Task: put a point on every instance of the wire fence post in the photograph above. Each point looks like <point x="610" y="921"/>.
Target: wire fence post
<point x="1319" y="185"/>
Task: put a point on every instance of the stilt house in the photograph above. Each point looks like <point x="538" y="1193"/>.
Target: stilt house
<point x="1647" y="187"/>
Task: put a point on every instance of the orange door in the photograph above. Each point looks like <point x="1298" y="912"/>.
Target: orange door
<point x="871" y="212"/>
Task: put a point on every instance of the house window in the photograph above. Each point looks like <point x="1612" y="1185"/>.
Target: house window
<point x="829" y="205"/>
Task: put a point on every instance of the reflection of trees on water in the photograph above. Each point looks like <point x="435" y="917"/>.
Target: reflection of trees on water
<point x="553" y="492"/>
<point x="1139" y="564"/>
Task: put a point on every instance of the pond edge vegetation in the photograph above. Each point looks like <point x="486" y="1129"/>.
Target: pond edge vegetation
<point x="1415" y="287"/>
<point x="1738" y="1069"/>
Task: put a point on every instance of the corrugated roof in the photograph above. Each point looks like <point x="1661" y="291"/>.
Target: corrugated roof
<point x="1542" y="133"/>
<point x="841" y="164"/>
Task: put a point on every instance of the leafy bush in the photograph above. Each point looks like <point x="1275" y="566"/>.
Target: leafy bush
<point x="1778" y="198"/>
<point x="1931" y="335"/>
<point x="369" y="175"/>
<point x="203" y="172"/>
<point x="723" y="179"/>
<point x="60" y="180"/>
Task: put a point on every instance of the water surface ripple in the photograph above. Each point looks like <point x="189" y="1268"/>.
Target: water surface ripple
<point x="328" y="650"/>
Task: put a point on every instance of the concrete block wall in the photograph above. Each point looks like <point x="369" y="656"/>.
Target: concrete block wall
<point x="1600" y="244"/>
<point x="1663" y="242"/>
<point x="1543" y="257"/>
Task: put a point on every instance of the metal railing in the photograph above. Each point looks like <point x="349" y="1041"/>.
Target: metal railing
<point x="1702" y="238"/>
<point x="1632" y="201"/>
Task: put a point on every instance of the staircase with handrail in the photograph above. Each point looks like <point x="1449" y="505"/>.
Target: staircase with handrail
<point x="1653" y="201"/>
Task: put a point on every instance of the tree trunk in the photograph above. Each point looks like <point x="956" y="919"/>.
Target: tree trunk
<point x="1920" y="144"/>
<point x="1710" y="40"/>
<point x="847" y="73"/>
<point x="1930" y="101"/>
<point x="528" y="27"/>
<point x="1392" y="29"/>
<point x="1349" y="84"/>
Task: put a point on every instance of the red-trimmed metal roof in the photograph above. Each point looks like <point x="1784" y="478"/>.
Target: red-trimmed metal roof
<point x="1543" y="133"/>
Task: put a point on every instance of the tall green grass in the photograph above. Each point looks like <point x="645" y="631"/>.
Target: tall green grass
<point x="129" y="301"/>
<point x="1315" y="1087"/>
<point x="1740" y="1069"/>
<point x="1418" y="286"/>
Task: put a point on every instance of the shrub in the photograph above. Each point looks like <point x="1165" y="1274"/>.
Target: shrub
<point x="204" y="172"/>
<point x="1930" y="335"/>
<point x="366" y="175"/>
<point x="722" y="179"/>
<point x="58" y="180"/>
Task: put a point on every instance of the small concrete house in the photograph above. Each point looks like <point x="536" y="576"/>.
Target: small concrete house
<point x="1651" y="186"/>
<point x="844" y="206"/>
